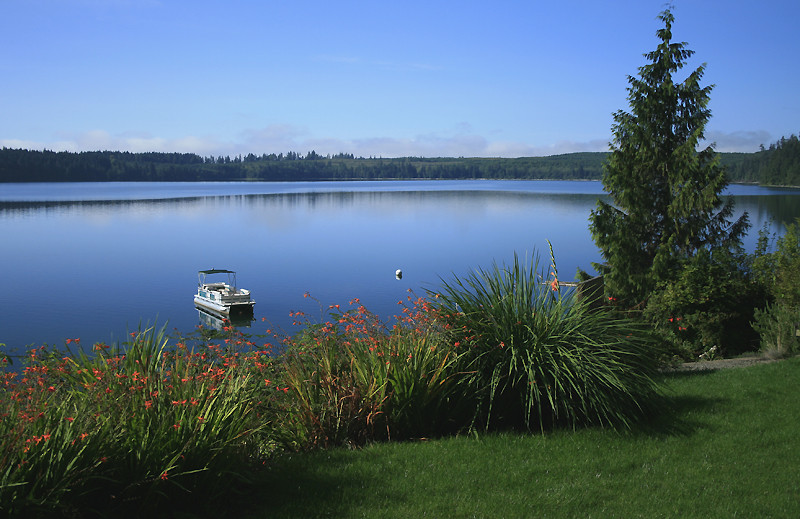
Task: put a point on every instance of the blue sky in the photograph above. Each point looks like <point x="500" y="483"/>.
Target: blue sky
<point x="376" y="78"/>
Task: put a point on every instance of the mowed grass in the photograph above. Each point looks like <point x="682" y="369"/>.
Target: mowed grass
<point x="730" y="447"/>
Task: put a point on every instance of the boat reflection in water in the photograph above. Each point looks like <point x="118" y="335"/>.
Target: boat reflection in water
<point x="216" y="321"/>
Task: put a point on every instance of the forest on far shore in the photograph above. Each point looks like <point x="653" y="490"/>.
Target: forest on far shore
<point x="778" y="165"/>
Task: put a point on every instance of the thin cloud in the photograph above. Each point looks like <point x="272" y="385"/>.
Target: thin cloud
<point x="741" y="141"/>
<point x="461" y="141"/>
<point x="99" y="140"/>
<point x="284" y="138"/>
<point x="517" y="149"/>
<point x="21" y="144"/>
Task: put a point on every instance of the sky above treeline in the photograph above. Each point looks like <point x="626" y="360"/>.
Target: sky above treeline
<point x="387" y="78"/>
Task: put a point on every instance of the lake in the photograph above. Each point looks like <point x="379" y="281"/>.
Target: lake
<point x="93" y="260"/>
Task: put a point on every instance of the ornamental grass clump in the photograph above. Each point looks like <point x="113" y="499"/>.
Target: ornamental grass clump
<point x="131" y="427"/>
<point x="535" y="356"/>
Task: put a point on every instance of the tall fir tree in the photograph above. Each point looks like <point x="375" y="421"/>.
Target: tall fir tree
<point x="666" y="196"/>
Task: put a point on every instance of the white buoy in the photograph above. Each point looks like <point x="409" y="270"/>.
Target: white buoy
<point x="398" y="274"/>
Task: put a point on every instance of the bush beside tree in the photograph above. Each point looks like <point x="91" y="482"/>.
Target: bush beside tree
<point x="705" y="312"/>
<point x="778" y="271"/>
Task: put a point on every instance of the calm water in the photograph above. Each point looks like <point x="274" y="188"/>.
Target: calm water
<point x="91" y="261"/>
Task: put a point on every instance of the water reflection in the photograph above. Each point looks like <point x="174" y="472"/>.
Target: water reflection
<point x="209" y="319"/>
<point x="12" y="208"/>
<point x="280" y="201"/>
<point x="781" y="209"/>
<point x="780" y="206"/>
<point x="338" y="241"/>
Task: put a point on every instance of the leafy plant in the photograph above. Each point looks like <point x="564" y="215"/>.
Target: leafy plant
<point x="778" y="326"/>
<point x="709" y="304"/>
<point x="779" y="272"/>
<point x="779" y="269"/>
<point x="130" y="425"/>
<point x="354" y="379"/>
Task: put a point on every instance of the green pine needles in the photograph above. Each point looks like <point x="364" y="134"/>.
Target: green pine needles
<point x="665" y="195"/>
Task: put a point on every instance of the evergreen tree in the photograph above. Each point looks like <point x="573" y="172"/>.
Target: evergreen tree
<point x="665" y="194"/>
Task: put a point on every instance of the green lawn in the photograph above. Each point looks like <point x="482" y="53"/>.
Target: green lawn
<point x="729" y="448"/>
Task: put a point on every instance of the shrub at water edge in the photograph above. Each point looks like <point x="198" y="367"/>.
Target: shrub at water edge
<point x="779" y="273"/>
<point x="707" y="307"/>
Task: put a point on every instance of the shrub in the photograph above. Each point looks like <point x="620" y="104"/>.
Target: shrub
<point x="779" y="270"/>
<point x="708" y="305"/>
<point x="535" y="356"/>
<point x="779" y="273"/>
<point x="778" y="326"/>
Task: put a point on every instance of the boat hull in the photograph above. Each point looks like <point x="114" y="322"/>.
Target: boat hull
<point x="236" y="308"/>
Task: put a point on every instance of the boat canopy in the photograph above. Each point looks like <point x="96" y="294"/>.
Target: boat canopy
<point x="201" y="275"/>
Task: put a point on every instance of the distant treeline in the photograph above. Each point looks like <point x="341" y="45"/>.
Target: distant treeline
<point x="47" y="166"/>
<point x="778" y="165"/>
